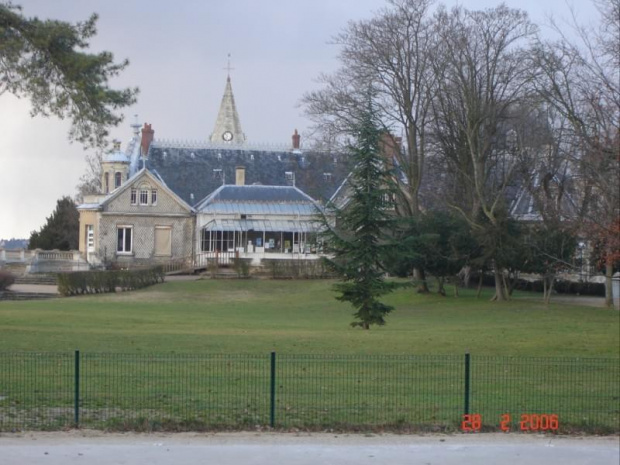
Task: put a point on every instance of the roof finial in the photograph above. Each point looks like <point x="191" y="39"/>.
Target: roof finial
<point x="229" y="68"/>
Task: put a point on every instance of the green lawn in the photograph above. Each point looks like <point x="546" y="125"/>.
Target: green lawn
<point x="172" y="357"/>
<point x="301" y="317"/>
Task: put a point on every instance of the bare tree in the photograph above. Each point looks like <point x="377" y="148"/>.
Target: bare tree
<point x="580" y="79"/>
<point x="483" y="59"/>
<point x="390" y="56"/>
<point x="90" y="181"/>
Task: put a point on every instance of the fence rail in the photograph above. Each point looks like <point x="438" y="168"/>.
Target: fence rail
<point x="204" y="391"/>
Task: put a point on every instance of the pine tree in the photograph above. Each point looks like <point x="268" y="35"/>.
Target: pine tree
<point x="45" y="62"/>
<point x="61" y="231"/>
<point x="358" y="240"/>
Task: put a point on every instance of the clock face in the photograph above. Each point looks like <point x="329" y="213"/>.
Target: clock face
<point x="227" y="136"/>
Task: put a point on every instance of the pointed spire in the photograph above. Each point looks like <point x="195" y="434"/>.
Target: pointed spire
<point x="227" y="126"/>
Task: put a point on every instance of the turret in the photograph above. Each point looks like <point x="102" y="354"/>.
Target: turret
<point x="115" y="168"/>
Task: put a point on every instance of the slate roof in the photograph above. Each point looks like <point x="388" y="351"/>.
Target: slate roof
<point x="260" y="194"/>
<point x="194" y="173"/>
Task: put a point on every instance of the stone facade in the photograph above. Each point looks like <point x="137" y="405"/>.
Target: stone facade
<point x="142" y="222"/>
<point x="143" y="240"/>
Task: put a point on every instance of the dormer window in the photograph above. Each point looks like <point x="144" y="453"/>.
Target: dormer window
<point x="327" y="177"/>
<point x="144" y="196"/>
<point x="118" y="178"/>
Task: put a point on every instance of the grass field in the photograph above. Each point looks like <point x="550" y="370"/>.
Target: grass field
<point x="302" y="317"/>
<point x="195" y="355"/>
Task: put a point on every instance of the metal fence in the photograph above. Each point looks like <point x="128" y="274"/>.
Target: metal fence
<point x="49" y="391"/>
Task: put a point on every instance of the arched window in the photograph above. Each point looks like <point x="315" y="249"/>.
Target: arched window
<point x="117" y="179"/>
<point x="106" y="182"/>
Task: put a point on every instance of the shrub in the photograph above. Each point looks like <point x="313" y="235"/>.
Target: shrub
<point x="308" y="269"/>
<point x="91" y="282"/>
<point x="213" y="267"/>
<point x="6" y="279"/>
<point x="242" y="267"/>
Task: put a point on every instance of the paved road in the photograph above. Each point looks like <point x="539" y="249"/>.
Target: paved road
<point x="37" y="288"/>
<point x="292" y="449"/>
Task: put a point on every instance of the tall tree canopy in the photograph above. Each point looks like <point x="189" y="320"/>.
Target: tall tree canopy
<point x="61" y="230"/>
<point x="45" y="61"/>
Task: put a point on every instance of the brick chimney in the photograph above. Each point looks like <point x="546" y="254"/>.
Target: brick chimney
<point x="296" y="140"/>
<point x="389" y="147"/>
<point x="240" y="176"/>
<point x="147" y="138"/>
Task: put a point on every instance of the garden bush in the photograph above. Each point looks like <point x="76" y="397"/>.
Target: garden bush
<point x="242" y="267"/>
<point x="94" y="282"/>
<point x="295" y="269"/>
<point x="6" y="279"/>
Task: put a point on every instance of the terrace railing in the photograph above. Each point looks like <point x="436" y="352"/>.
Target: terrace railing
<point x="313" y="392"/>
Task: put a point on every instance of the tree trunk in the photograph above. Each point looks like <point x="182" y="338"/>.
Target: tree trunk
<point x="609" y="272"/>
<point x="506" y="287"/>
<point x="440" y="289"/>
<point x="499" y="286"/>
<point x="512" y="282"/>
<point x="479" y="290"/>
<point x="420" y="278"/>
<point x="549" y="281"/>
<point x="456" y="287"/>
<point x="465" y="275"/>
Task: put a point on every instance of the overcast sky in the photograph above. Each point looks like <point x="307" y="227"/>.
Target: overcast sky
<point x="178" y="51"/>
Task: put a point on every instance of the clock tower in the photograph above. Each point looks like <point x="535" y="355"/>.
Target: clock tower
<point x="227" y="128"/>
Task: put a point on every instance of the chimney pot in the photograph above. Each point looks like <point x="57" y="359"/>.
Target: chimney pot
<point x="147" y="137"/>
<point x="296" y="140"/>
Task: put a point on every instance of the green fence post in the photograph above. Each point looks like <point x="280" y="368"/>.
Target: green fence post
<point x="272" y="392"/>
<point x="76" y="406"/>
<point x="467" y="382"/>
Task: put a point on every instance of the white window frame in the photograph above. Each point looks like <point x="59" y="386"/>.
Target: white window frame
<point x="133" y="196"/>
<point x="143" y="196"/>
<point x="125" y="228"/>
<point x="153" y="196"/>
<point x="90" y="237"/>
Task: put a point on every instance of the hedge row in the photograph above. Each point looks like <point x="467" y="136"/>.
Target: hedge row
<point x="560" y="286"/>
<point x="565" y="287"/>
<point x="294" y="269"/>
<point x="95" y="282"/>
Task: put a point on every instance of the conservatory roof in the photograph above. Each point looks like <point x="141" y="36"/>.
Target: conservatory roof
<point x="262" y="225"/>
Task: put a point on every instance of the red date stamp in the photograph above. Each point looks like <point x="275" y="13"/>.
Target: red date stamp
<point x="528" y="422"/>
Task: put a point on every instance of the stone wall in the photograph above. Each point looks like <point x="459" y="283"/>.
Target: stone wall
<point x="143" y="231"/>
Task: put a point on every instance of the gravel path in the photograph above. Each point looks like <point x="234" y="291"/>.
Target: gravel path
<point x="96" y="448"/>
